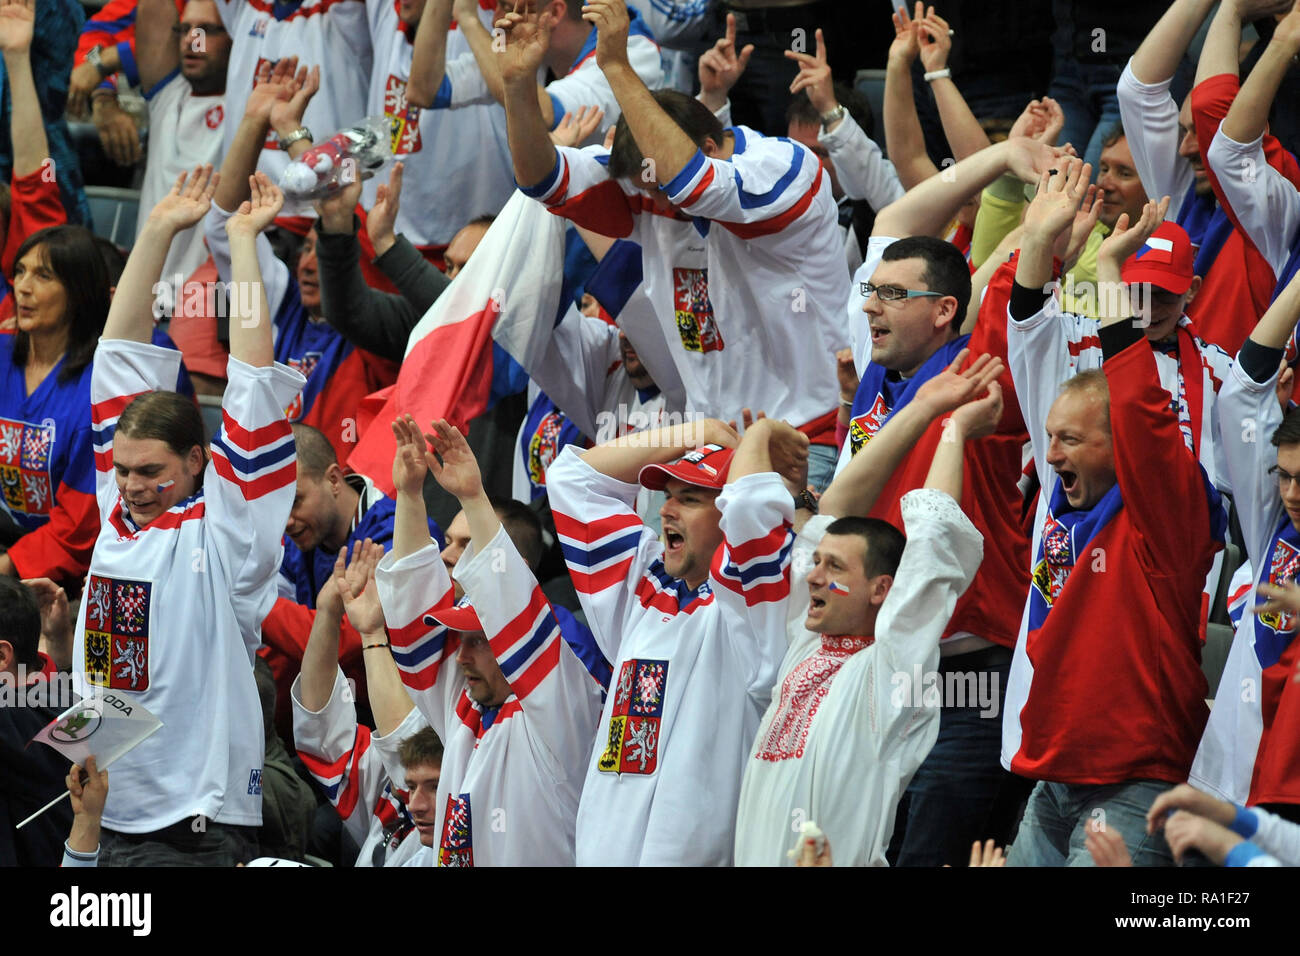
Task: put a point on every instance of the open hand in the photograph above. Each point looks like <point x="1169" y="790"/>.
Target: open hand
<point x="458" y="471"/>
<point x="187" y="201"/>
<point x="413" y="458"/>
<point x="357" y="588"/>
<point x="259" y="210"/>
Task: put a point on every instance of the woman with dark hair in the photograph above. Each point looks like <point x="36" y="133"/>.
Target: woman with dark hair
<point x="48" y="517"/>
<point x="184" y="569"/>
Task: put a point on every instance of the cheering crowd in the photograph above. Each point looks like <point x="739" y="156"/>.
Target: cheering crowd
<point x="654" y="457"/>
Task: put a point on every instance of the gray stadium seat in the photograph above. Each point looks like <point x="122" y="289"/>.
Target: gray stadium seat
<point x="871" y="84"/>
<point x="114" y="211"/>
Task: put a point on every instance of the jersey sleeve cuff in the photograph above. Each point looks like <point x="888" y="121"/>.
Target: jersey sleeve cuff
<point x="557" y="110"/>
<point x="680" y="185"/>
<point x="442" y="99"/>
<point x="1245" y="823"/>
<point x="543" y="190"/>
<point x="127" y="57"/>
<point x="1242" y="854"/>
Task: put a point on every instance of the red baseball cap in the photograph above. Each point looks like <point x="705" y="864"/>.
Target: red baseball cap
<point x="460" y="618"/>
<point x="705" y="466"/>
<point x="1165" y="260"/>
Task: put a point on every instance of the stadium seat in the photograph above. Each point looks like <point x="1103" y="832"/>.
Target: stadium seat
<point x="1218" y="639"/>
<point x="114" y="211"/>
<point x="871" y="84"/>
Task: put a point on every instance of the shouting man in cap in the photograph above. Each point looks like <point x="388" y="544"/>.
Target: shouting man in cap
<point x="695" y="626"/>
<point x="501" y="681"/>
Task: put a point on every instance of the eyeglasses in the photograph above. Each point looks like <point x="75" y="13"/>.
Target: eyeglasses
<point x="185" y="29"/>
<point x="893" y="293"/>
<point x="1284" y="478"/>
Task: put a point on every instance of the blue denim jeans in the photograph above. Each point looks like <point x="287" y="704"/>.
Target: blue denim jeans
<point x="948" y="804"/>
<point x="821" y="465"/>
<point x="1086" y="92"/>
<point x="1058" y="817"/>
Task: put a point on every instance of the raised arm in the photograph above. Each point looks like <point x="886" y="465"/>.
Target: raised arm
<point x="623" y="458"/>
<point x="130" y="316"/>
<point x="1248" y="116"/>
<point x="927" y="208"/>
<point x="855" y="489"/>
<point x="1113" y="302"/>
<point x="770" y="445"/>
<point x="27" y="129"/>
<point x="320" y="658"/>
<point x="661" y="141"/>
<point x="1047" y="222"/>
<point x="971" y="420"/>
<point x="1159" y="54"/>
<point x="389" y="701"/>
<point x="411" y="462"/>
<point x="960" y="127"/>
<point x="458" y="474"/>
<point x="1276" y="326"/>
<point x="904" y="141"/>
<point x="157" y="52"/>
<point x="251" y="338"/>
<point x="429" y="53"/>
<point x="528" y="36"/>
<point x="720" y="67"/>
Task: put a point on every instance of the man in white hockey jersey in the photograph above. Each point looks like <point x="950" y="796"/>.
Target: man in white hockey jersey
<point x="362" y="772"/>
<point x="695" y="627"/>
<point x="848" y="724"/>
<point x="183" y="571"/>
<point x="498" y="681"/>
<point x="740" y="252"/>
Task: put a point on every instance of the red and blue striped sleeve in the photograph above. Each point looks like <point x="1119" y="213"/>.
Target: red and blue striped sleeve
<point x="410" y="590"/>
<point x="764" y="188"/>
<point x="579" y="189"/>
<point x="606" y="546"/>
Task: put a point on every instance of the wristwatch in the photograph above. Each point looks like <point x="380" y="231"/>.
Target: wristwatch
<point x="94" y="56"/>
<point x="301" y="132"/>
<point x="806" y="501"/>
<point x="832" y="117"/>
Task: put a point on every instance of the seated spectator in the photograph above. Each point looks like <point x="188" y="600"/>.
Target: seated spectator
<point x="1227" y="834"/>
<point x="29" y="776"/>
<point x="518" y="714"/>
<point x="358" y="769"/>
<point x="768" y="204"/>
<point x="1102" y="524"/>
<point x="569" y="51"/>
<point x="303" y="339"/>
<point x="841" y="738"/>
<point x="86" y="799"/>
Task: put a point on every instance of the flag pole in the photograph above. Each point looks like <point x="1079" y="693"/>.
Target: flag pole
<point x="43" y="809"/>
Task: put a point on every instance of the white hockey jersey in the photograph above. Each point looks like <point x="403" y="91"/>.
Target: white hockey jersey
<point x="457" y="162"/>
<point x="764" y="331"/>
<point x="511" y="775"/>
<point x="693" y="670"/>
<point x="849" y="724"/>
<point x="360" y="773"/>
<point x="172" y="612"/>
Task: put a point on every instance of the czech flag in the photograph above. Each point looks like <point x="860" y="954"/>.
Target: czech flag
<point x="451" y="363"/>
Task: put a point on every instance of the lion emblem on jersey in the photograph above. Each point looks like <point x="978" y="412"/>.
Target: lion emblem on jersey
<point x="117" y="632"/>
<point x="694" y="311"/>
<point x="543" y="446"/>
<point x="1284" y="567"/>
<point x="632" y="743"/>
<point x="864" y="427"/>
<point x="403" y="118"/>
<point x="457" y="847"/>
<point x="1051" y="573"/>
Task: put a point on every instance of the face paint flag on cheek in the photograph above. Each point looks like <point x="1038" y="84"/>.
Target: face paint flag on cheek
<point x="165" y="485"/>
<point x="838" y="588"/>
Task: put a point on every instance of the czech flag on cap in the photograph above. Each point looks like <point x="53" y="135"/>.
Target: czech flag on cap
<point x="1165" y="260"/>
<point x="706" y="467"/>
<point x="461" y="618"/>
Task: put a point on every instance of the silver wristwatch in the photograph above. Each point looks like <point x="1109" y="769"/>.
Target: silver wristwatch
<point x="301" y="132"/>
<point x="94" y="56"/>
<point x="834" y="116"/>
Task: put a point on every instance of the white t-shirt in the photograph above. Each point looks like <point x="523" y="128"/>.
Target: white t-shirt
<point x="185" y="131"/>
<point x="172" y="612"/>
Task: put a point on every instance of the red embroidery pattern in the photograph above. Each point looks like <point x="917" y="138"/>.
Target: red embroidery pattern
<point x="802" y="692"/>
